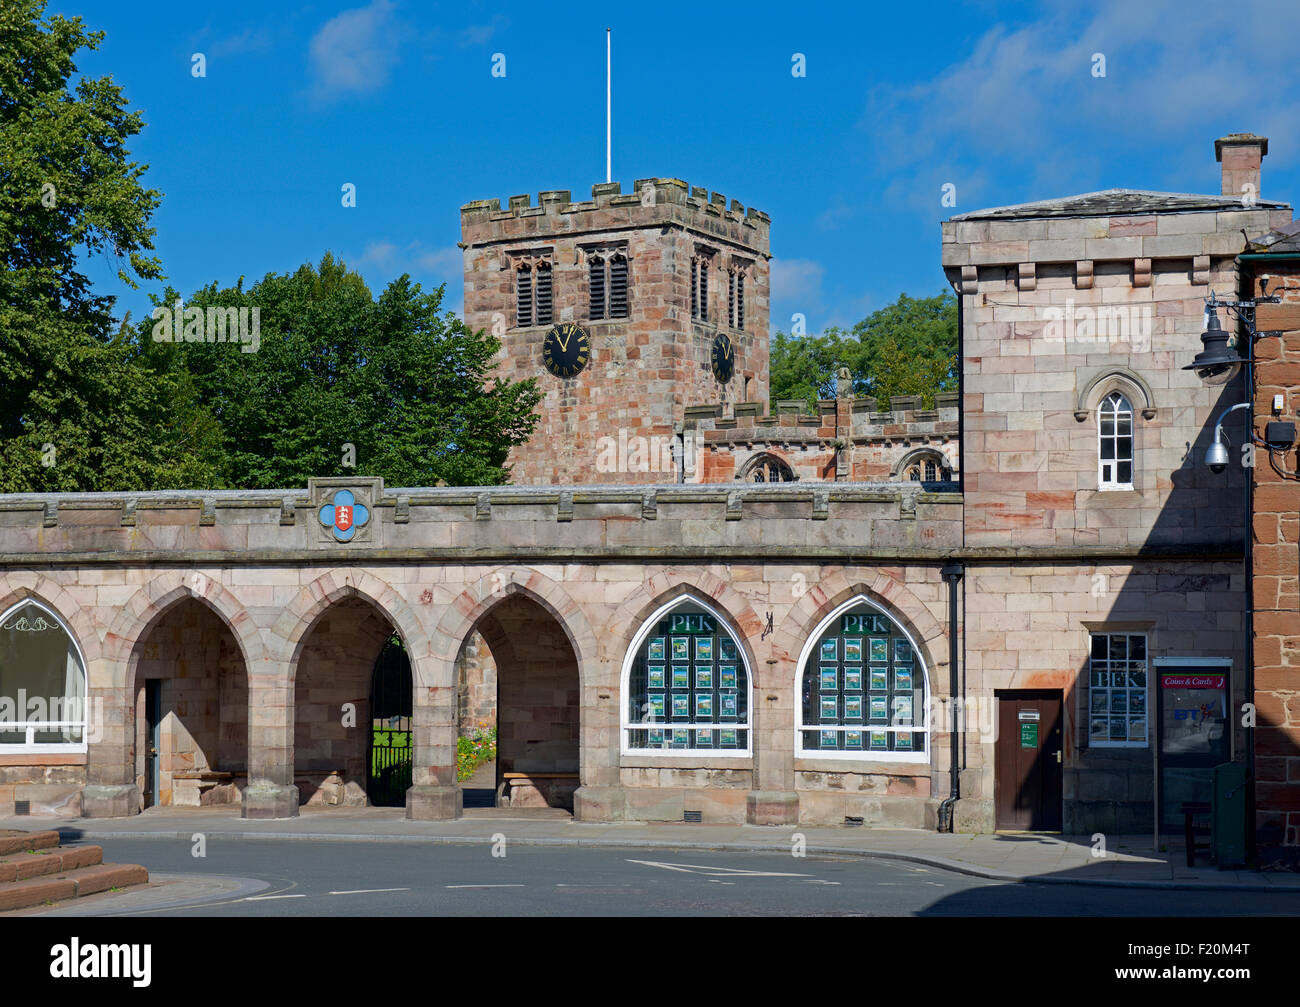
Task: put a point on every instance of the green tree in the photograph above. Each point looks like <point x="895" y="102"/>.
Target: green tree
<point x="906" y="348"/>
<point x="409" y="387"/>
<point x="77" y="412"/>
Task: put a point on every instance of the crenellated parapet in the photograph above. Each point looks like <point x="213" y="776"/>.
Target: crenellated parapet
<point x="844" y="439"/>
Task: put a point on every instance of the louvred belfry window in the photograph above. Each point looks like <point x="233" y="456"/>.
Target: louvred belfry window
<point x="524" y="296"/>
<point x="607" y="285"/>
<point x="736" y="299"/>
<point x="700" y="286"/>
<point x="543" y="303"/>
<point x="533" y="294"/>
<point x="596" y="286"/>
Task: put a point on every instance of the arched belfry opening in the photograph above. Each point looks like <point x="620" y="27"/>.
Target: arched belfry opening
<point x="518" y="672"/>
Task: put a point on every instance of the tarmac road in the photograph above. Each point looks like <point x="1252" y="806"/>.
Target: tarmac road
<point x="297" y="878"/>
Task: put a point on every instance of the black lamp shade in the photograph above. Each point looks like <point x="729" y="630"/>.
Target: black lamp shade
<point x="1216" y="355"/>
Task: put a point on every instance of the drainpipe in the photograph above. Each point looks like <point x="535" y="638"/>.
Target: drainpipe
<point x="952" y="573"/>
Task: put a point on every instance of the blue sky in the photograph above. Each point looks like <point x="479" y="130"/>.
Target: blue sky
<point x="398" y="98"/>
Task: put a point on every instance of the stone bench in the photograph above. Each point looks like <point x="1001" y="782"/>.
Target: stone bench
<point x="537" y="790"/>
<point x="322" y="786"/>
<point x="194" y="788"/>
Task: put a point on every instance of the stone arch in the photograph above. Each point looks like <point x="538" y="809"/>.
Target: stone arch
<point x="144" y="608"/>
<point x="891" y="595"/>
<point x="669" y="585"/>
<point x="1111" y="379"/>
<point x="919" y="455"/>
<point x="477" y="599"/>
<point x="296" y="621"/>
<point x="26" y="585"/>
<point x="771" y="462"/>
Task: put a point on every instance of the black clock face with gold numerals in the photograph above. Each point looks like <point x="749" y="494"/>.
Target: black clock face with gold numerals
<point x="566" y="350"/>
<point x="723" y="358"/>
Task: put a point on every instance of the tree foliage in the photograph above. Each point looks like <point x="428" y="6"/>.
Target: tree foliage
<point x="84" y="409"/>
<point x="408" y="387"/>
<point x="906" y="348"/>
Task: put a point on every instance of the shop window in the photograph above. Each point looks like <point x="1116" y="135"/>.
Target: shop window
<point x="1116" y="697"/>
<point x="686" y="685"/>
<point x="862" y="689"/>
<point x="42" y="683"/>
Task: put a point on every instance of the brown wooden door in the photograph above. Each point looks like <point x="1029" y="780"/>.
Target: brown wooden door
<point x="1028" y="761"/>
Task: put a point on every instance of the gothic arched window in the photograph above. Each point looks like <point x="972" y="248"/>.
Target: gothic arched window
<point x="686" y="684"/>
<point x="1115" y="443"/>
<point x="767" y="469"/>
<point x="42" y="682"/>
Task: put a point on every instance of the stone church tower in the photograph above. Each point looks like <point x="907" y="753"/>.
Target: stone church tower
<point x="627" y="308"/>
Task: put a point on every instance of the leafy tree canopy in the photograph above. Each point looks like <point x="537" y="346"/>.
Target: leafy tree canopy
<point x="906" y="348"/>
<point x="409" y="387"/>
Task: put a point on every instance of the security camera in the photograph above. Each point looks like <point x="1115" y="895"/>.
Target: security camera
<point x="1217" y="457"/>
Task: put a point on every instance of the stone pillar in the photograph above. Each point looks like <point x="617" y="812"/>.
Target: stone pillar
<point x="270" y="792"/>
<point x="773" y="800"/>
<point x="110" y="790"/>
<point x="600" y="797"/>
<point x="434" y="795"/>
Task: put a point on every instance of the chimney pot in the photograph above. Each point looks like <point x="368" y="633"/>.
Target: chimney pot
<point x="1240" y="154"/>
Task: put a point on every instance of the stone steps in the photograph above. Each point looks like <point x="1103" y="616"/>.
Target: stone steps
<point x="35" y="869"/>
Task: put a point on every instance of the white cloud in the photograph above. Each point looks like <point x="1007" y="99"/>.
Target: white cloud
<point x="354" y="51"/>
<point x="1024" y="107"/>
<point x="796" y="279"/>
<point x="384" y="261"/>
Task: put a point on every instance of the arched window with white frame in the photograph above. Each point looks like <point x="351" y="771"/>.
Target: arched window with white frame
<point x="1115" y="443"/>
<point x="862" y="689"/>
<point x="686" y="684"/>
<point x="42" y="682"/>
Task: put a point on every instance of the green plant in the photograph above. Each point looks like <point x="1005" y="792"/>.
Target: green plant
<point x="474" y="750"/>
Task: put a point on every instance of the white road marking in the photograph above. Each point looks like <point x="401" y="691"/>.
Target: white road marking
<point x="370" y="891"/>
<point x="263" y="898"/>
<point x="818" y="881"/>
<point x="722" y="872"/>
<point x="485" y="886"/>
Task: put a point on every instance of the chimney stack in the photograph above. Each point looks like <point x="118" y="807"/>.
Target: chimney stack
<point x="1240" y="154"/>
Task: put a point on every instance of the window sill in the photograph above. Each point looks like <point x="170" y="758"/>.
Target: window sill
<point x="888" y="763"/>
<point x="685" y="758"/>
<point x="51" y="755"/>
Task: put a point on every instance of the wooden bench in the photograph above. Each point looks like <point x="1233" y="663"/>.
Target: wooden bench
<point x="1191" y="811"/>
<point x="535" y="789"/>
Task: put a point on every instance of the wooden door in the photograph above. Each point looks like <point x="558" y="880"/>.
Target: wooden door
<point x="1028" y="760"/>
<point x="152" y="739"/>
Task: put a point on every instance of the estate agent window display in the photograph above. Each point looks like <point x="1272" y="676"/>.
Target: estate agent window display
<point x="862" y="690"/>
<point x="686" y="686"/>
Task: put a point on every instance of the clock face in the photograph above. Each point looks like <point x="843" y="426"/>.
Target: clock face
<point x="566" y="350"/>
<point x="723" y="359"/>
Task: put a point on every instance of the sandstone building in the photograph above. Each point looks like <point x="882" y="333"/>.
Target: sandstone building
<point x="695" y="601"/>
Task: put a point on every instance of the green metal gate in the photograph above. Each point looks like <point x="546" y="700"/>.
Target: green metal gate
<point x="389" y="757"/>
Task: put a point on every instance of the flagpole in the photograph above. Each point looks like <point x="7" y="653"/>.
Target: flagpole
<point x="609" y="176"/>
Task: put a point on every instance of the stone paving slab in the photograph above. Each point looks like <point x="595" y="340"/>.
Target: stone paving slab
<point x="1004" y="857"/>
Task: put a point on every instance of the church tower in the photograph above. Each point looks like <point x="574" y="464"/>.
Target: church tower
<point x="628" y="309"/>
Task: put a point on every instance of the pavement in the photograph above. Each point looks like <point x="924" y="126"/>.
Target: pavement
<point x="1127" y="861"/>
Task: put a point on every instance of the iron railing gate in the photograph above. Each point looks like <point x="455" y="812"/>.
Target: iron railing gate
<point x="389" y="757"/>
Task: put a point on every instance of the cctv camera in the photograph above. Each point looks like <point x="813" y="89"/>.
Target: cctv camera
<point x="1217" y="457"/>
